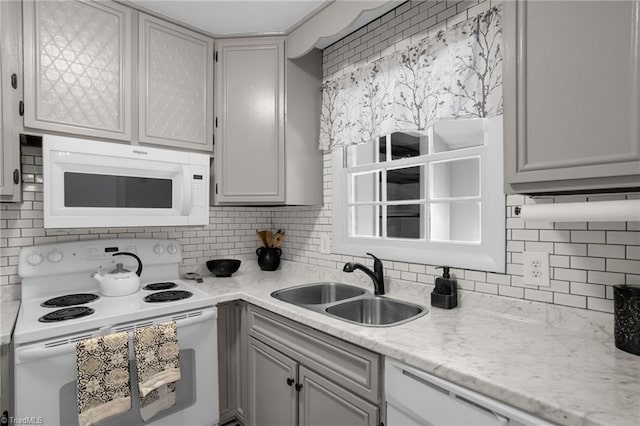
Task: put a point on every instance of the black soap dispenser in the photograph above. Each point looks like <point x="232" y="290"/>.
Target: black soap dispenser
<point x="445" y="295"/>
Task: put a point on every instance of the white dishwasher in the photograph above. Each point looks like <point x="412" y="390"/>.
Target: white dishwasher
<point x="417" y="398"/>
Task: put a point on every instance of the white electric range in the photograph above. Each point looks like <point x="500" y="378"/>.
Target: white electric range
<point x="45" y="336"/>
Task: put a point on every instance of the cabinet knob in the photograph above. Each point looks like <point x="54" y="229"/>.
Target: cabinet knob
<point x="298" y="387"/>
<point x="290" y="381"/>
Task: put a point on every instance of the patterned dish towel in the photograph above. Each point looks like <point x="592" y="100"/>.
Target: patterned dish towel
<point x="156" y="350"/>
<point x="103" y="377"/>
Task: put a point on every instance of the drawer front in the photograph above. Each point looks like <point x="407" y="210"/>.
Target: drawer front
<point x="353" y="367"/>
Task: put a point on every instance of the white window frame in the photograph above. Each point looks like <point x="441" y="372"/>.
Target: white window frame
<point x="489" y="254"/>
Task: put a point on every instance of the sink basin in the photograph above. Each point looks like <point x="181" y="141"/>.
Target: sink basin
<point x="376" y="311"/>
<point x="350" y="303"/>
<point x="321" y="293"/>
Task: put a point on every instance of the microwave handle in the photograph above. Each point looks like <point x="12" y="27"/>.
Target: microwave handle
<point x="186" y="189"/>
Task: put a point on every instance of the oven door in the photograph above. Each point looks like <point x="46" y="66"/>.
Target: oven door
<point x="45" y="377"/>
<point x="98" y="184"/>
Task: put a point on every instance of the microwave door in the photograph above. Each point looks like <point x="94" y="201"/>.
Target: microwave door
<point x="107" y="191"/>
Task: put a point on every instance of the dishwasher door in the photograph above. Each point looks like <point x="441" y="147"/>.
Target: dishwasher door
<point x="414" y="397"/>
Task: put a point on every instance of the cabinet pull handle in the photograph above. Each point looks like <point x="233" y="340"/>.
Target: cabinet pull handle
<point x="14" y="80"/>
<point x="298" y="387"/>
<point x="290" y="381"/>
<point x="16" y="176"/>
<point x="21" y="108"/>
<point x="5" y="418"/>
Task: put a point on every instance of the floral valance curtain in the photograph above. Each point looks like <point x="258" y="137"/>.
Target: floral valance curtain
<point x="455" y="74"/>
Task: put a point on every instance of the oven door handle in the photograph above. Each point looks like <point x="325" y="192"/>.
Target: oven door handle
<point x="40" y="351"/>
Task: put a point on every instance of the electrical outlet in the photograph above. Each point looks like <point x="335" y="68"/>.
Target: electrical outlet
<point x="325" y="243"/>
<point x="535" y="268"/>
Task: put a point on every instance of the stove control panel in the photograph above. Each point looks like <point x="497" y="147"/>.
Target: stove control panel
<point x="88" y="255"/>
<point x="98" y="253"/>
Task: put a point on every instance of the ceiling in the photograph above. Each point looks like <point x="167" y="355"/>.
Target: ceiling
<point x="228" y="17"/>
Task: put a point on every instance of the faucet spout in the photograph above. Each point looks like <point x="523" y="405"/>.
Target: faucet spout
<point x="377" y="275"/>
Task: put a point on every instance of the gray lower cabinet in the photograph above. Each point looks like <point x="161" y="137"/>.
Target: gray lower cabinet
<point x="571" y="96"/>
<point x="322" y="402"/>
<point x="272" y="386"/>
<point x="300" y="376"/>
<point x="232" y="361"/>
<point x="5" y="383"/>
<point x="10" y="97"/>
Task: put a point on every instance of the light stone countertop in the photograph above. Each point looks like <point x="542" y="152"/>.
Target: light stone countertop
<point x="555" y="362"/>
<point x="9" y="314"/>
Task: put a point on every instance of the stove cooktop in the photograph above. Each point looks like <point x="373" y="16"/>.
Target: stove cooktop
<point x="66" y="314"/>
<point x="167" y="296"/>
<point x="108" y="312"/>
<point x="69" y="300"/>
<point x="61" y="273"/>
<point x="160" y="286"/>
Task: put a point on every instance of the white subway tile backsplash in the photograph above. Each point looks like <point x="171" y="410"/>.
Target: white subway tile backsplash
<point x="585" y="289"/>
<point x="598" y="304"/>
<point x="597" y="277"/>
<point x="628" y="238"/>
<point x="555" y="236"/>
<point x="589" y="263"/>
<point x="623" y="266"/>
<point x="537" y="295"/>
<point x="570" y="249"/>
<point x="486" y="288"/>
<point x="577" y="250"/>
<point x="604" y="250"/>
<point x="633" y="252"/>
<point x="570" y="300"/>
<point x="569" y="275"/>
<point x="505" y="290"/>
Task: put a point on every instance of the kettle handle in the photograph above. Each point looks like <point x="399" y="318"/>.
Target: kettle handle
<point x="123" y="253"/>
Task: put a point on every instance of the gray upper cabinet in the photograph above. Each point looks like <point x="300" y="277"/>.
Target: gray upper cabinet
<point x="175" y="85"/>
<point x="267" y="124"/>
<point x="249" y="163"/>
<point x="10" y="97"/>
<point x="571" y="96"/>
<point x="78" y="67"/>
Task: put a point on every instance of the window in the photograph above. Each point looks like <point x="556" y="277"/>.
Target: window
<point x="433" y="197"/>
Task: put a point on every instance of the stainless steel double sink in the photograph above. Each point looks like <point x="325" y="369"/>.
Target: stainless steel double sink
<point x="352" y="304"/>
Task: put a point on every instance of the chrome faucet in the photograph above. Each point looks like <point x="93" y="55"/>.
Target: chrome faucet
<point x="377" y="275"/>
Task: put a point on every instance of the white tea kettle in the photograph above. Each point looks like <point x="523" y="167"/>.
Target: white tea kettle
<point x="120" y="281"/>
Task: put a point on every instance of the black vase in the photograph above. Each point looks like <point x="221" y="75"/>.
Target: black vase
<point x="269" y="258"/>
<point x="626" y="304"/>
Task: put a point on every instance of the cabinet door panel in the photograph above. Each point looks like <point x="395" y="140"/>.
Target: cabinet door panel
<point x="272" y="400"/>
<point x="176" y="85"/>
<point x="78" y="67"/>
<point x="572" y="95"/>
<point x="323" y="403"/>
<point x="10" y="120"/>
<point x="250" y="109"/>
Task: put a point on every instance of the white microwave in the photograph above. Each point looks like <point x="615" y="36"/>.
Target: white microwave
<point x="103" y="184"/>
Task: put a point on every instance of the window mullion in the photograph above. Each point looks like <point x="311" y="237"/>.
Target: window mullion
<point x="383" y="199"/>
